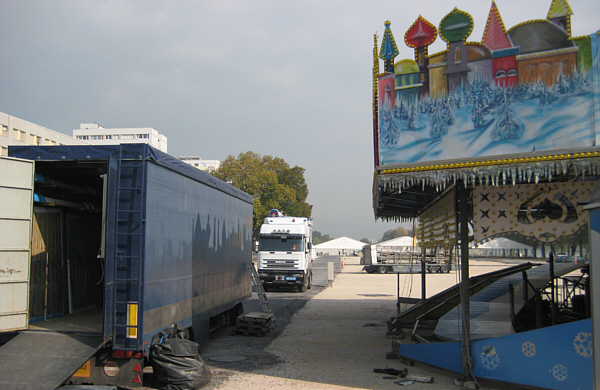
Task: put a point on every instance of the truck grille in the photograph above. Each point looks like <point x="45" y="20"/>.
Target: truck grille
<point x="280" y="264"/>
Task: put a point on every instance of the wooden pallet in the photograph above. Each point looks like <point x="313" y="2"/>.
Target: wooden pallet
<point x="255" y="324"/>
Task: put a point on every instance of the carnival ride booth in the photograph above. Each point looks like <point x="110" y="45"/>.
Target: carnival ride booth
<point x="495" y="141"/>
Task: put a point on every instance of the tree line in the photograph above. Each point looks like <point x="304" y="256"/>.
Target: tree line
<point x="272" y="183"/>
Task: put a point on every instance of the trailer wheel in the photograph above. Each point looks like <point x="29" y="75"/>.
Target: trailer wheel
<point x="381" y="270"/>
<point x="188" y="334"/>
<point x="435" y="269"/>
<point x="444" y="269"/>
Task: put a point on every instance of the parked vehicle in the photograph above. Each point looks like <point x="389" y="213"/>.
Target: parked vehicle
<point x="575" y="259"/>
<point x="285" y="253"/>
<point x="383" y="261"/>
<point x="117" y="243"/>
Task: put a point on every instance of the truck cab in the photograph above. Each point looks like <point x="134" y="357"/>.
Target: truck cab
<point x="285" y="252"/>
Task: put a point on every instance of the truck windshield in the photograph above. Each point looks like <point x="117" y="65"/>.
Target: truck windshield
<point x="273" y="244"/>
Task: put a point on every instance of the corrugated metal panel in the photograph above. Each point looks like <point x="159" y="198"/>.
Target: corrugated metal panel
<point x="16" y="197"/>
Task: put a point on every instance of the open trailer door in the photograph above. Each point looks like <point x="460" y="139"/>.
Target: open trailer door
<point x="32" y="359"/>
<point x="16" y="208"/>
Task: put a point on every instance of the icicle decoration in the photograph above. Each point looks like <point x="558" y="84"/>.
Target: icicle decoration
<point x="438" y="180"/>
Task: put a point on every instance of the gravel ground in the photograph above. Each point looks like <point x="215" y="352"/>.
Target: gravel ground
<point x="338" y="337"/>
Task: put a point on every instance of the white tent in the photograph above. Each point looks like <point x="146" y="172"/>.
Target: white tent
<point x="339" y="246"/>
<point x="501" y="247"/>
<point x="404" y="241"/>
<point x="503" y="243"/>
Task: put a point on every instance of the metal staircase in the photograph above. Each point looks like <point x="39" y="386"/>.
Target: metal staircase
<point x="262" y="295"/>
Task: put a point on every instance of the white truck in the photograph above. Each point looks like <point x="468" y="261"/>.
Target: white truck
<point x="285" y="252"/>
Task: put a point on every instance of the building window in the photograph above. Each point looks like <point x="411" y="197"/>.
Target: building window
<point x="500" y="74"/>
<point x="19" y="135"/>
<point x="457" y="55"/>
<point x="108" y="137"/>
<point x="127" y="136"/>
<point x="97" y="138"/>
<point x="82" y="137"/>
<point x="3" y="151"/>
<point x="143" y="136"/>
<point x="512" y="72"/>
<point x="4" y="131"/>
<point x="35" y="140"/>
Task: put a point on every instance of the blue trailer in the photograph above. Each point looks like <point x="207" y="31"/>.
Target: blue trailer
<point x="125" y="242"/>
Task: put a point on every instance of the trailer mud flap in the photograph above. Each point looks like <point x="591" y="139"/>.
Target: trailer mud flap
<point x="44" y="360"/>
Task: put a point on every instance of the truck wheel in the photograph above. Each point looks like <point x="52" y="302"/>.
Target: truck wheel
<point x="435" y="269"/>
<point x="310" y="281"/>
<point x="444" y="269"/>
<point x="302" y="287"/>
<point x="381" y="270"/>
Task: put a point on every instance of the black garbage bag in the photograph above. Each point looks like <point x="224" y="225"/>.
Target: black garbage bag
<point x="177" y="364"/>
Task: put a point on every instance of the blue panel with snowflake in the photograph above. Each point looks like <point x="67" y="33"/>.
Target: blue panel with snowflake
<point x="556" y="357"/>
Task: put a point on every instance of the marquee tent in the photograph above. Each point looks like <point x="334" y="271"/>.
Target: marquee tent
<point x="404" y="241"/>
<point x="501" y="247"/>
<point x="339" y="246"/>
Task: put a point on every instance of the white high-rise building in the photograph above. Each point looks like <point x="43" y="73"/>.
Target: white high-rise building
<point x="205" y="165"/>
<point x="16" y="131"/>
<point x="95" y="134"/>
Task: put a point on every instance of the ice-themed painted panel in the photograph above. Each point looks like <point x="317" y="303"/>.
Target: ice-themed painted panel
<point x="531" y="88"/>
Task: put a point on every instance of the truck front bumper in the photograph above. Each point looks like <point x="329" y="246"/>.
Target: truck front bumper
<point x="281" y="278"/>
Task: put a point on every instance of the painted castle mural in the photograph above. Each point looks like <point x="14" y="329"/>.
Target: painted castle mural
<point x="530" y="88"/>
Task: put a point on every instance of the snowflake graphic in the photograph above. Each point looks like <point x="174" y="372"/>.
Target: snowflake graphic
<point x="528" y="349"/>
<point x="489" y="358"/>
<point x="583" y="344"/>
<point x="560" y="372"/>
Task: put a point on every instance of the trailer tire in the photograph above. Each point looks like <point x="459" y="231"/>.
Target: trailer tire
<point x="381" y="270"/>
<point x="435" y="269"/>
<point x="444" y="269"/>
<point x="302" y="287"/>
<point x="310" y="281"/>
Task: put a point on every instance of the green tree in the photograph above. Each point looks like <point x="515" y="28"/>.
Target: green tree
<point x="400" y="231"/>
<point x="272" y="182"/>
<point x="319" y="238"/>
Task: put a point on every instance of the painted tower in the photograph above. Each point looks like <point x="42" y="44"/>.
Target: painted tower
<point x="455" y="28"/>
<point x="504" y="54"/>
<point x="419" y="36"/>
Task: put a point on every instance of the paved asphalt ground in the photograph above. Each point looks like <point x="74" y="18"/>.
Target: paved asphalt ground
<point x="231" y="351"/>
<point x="327" y="338"/>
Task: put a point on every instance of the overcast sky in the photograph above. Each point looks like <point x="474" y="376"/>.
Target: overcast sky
<point x="291" y="79"/>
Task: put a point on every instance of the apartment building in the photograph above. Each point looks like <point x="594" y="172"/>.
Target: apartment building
<point x="95" y="134"/>
<point x="16" y="131"/>
<point x="205" y="165"/>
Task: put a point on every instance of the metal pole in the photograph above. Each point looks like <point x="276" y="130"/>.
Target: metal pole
<point x="463" y="198"/>
<point x="423" y="279"/>
<point x="552" y="287"/>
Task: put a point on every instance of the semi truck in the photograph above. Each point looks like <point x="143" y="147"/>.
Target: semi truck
<point x="285" y="252"/>
<point x="105" y="247"/>
<point x="403" y="262"/>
